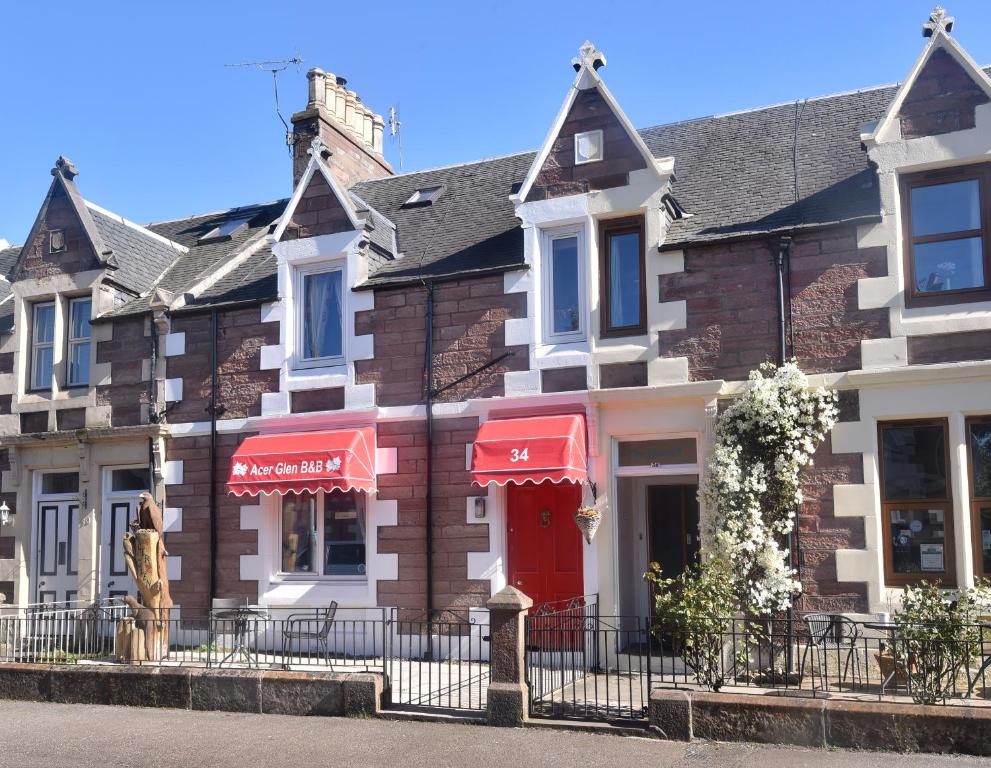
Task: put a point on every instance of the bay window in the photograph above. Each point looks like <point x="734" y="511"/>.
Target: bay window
<point x="320" y="308"/>
<point x="323" y="534"/>
<point x="622" y="277"/>
<point x="78" y="342"/>
<point x="42" y="345"/>
<point x="979" y="455"/>
<point x="916" y="503"/>
<point x="564" y="294"/>
<point x="946" y="238"/>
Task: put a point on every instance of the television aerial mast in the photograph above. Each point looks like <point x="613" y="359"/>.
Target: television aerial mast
<point x="275" y="67"/>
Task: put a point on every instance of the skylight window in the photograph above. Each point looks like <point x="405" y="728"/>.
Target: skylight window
<point x="425" y="196"/>
<point x="226" y="230"/>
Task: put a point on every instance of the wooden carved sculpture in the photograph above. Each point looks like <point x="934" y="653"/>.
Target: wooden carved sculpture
<point x="145" y="635"/>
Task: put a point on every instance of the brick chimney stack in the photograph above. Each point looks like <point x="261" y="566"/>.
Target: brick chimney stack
<point x="351" y="131"/>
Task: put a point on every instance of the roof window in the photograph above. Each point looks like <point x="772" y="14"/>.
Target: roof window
<point x="226" y="230"/>
<point x="425" y="196"/>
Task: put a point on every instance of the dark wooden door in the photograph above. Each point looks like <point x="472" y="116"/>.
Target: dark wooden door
<point x="672" y="527"/>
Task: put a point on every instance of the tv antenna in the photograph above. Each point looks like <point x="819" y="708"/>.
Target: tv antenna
<point x="275" y="67"/>
<point x="395" y="124"/>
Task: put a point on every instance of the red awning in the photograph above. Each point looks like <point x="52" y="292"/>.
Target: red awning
<point x="304" y="462"/>
<point x="530" y="450"/>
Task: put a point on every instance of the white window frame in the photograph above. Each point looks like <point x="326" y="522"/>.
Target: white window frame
<point x="547" y="298"/>
<point x="35" y="345"/>
<point x="602" y="145"/>
<point x="72" y="341"/>
<point x="321" y="545"/>
<point x="300" y="273"/>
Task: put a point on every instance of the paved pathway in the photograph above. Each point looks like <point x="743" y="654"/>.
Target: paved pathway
<point x="35" y="735"/>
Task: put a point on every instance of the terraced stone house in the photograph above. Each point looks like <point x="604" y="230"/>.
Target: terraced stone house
<point x="395" y="389"/>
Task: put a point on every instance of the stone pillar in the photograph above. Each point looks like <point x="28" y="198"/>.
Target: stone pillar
<point x="508" y="699"/>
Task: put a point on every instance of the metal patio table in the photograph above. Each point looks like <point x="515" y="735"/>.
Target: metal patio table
<point x="890" y="628"/>
<point x="242" y="619"/>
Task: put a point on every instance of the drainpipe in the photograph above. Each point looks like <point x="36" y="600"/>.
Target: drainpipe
<point x="783" y="267"/>
<point x="214" y="410"/>
<point x="429" y="520"/>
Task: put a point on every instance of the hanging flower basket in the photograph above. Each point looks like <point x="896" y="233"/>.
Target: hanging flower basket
<point x="588" y="520"/>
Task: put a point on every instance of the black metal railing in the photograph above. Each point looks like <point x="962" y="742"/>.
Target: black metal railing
<point x="438" y="664"/>
<point x="350" y="640"/>
<point x="580" y="664"/>
<point x="822" y="654"/>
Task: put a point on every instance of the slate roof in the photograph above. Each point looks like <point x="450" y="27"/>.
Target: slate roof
<point x="141" y="258"/>
<point x="204" y="259"/>
<point x="781" y="167"/>
<point x="8" y="259"/>
<point x="743" y="174"/>
<point x="471" y="227"/>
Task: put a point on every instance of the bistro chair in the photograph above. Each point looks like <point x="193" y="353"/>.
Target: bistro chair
<point x="312" y="627"/>
<point x="831" y="634"/>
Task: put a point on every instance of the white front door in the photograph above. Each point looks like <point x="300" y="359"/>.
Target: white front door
<point x="57" y="556"/>
<point x="122" y="491"/>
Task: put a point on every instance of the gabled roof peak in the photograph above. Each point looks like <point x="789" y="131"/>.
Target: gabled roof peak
<point x="588" y="56"/>
<point x="65" y="168"/>
<point x="939" y="21"/>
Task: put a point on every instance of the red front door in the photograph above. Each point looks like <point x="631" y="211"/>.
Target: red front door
<point x="544" y="544"/>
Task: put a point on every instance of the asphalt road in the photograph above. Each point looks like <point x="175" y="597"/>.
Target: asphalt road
<point x="71" y="735"/>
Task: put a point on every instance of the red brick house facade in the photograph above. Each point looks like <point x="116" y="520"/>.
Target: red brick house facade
<point x="611" y="286"/>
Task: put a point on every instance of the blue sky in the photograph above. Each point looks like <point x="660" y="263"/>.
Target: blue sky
<point x="138" y="96"/>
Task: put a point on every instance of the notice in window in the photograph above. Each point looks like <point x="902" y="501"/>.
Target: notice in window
<point x="931" y="557"/>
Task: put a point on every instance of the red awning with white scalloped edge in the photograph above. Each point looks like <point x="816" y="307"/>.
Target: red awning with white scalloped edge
<point x="304" y="462"/>
<point x="531" y="450"/>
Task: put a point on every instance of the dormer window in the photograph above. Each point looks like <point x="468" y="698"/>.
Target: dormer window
<point x="622" y="278"/>
<point x="564" y="285"/>
<point x="320" y="316"/>
<point x="42" y="345"/>
<point x="425" y="196"/>
<point x="56" y="241"/>
<point x="78" y="341"/>
<point x="946" y="237"/>
<point x="589" y="147"/>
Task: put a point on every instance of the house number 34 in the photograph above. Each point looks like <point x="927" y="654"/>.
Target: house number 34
<point x="516" y="455"/>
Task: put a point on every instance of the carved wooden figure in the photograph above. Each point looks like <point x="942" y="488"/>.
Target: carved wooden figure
<point x="144" y="553"/>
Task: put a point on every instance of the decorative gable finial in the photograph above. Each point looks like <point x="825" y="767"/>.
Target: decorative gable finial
<point x="938" y="22"/>
<point x="588" y="56"/>
<point x="65" y="168"/>
<point x="318" y="149"/>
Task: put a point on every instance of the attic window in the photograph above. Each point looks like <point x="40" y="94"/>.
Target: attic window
<point x="425" y="196"/>
<point x="56" y="241"/>
<point x="588" y="147"/>
<point x="225" y="231"/>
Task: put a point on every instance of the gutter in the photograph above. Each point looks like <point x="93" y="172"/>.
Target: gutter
<point x="680" y="245"/>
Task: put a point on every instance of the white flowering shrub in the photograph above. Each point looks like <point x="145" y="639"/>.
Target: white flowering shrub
<point x="752" y="488"/>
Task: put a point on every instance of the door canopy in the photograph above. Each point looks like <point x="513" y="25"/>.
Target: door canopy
<point x="531" y="450"/>
<point x="304" y="462"/>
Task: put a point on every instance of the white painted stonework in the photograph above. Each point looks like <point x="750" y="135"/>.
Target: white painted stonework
<point x="895" y="156"/>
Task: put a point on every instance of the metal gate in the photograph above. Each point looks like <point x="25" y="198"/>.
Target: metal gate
<point x="440" y="664"/>
<point x="582" y="665"/>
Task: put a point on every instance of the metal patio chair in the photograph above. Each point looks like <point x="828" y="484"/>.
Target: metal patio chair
<point x="836" y="635"/>
<point x="314" y="627"/>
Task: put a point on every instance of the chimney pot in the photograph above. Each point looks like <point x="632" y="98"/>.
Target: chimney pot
<point x="328" y="91"/>
<point x="342" y="81"/>
<point x="378" y="128"/>
<point x="350" y="111"/>
<point x="316" y="79"/>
